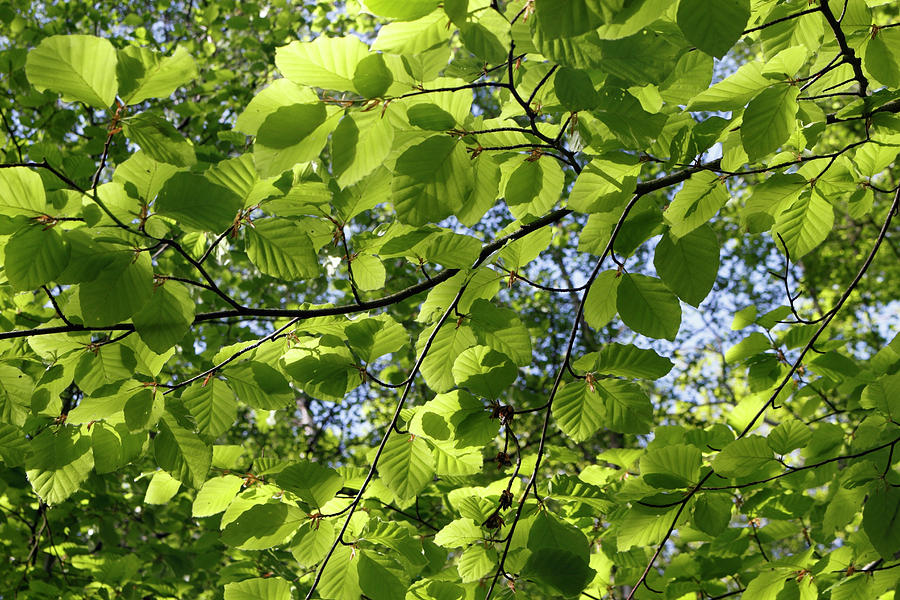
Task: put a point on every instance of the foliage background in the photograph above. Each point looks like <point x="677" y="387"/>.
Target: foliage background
<point x="670" y="371"/>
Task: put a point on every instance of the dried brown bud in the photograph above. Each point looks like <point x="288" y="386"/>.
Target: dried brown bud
<point x="495" y="521"/>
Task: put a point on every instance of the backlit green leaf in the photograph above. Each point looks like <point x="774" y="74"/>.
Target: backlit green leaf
<point x="35" y="256"/>
<point x="166" y="316"/>
<point x="713" y="29"/>
<point x="688" y="265"/>
<point x="647" y="306"/>
<point x="82" y="68"/>
<point x="769" y="120"/>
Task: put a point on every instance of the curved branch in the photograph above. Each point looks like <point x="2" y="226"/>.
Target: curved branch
<point x="829" y="316"/>
<point x="423" y="286"/>
<point x="846" y="50"/>
<point x="532" y="481"/>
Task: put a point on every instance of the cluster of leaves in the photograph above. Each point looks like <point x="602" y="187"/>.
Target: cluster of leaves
<point x="282" y="333"/>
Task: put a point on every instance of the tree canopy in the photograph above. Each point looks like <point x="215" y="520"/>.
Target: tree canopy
<point x="450" y="300"/>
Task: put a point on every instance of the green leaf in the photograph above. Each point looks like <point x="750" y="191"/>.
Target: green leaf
<point x="376" y="581"/>
<point x="315" y="484"/>
<point x="520" y="252"/>
<point x="883" y="395"/>
<point x="881" y="56"/>
<point x="751" y="345"/>
<point x="290" y="125"/>
<point x="59" y="463"/>
<point x="430" y="180"/>
<point x="282" y="249"/>
<point x="261" y="526"/>
<point x="166" y="316"/>
<point x="368" y="272"/>
<point x="627" y="360"/>
<point x="259" y="385"/>
<point x="691" y="76"/>
<point x="502" y="330"/>
<point x="672" y="466"/>
<point x="696" y="203"/>
<point x="182" y="453"/>
<point x="326" y="62"/>
<point x="374" y="337"/>
<point x="239" y="175"/>
<point x="340" y="578"/>
<point x="881" y="520"/>
<point x="456" y="417"/>
<point x="324" y="368"/>
<point x="560" y="569"/>
<point x="458" y="533"/>
<point x="769" y="198"/>
<point x="35" y="256"/>
<point x="575" y="89"/>
<point x="476" y="562"/>
<point x="764" y="587"/>
<point x="430" y="117"/>
<point x="111" y="364"/>
<point x="600" y="304"/>
<point x="21" y="192"/>
<point x="312" y="542"/>
<point x="422" y="42"/>
<point x="579" y="410"/>
<point x="713" y="29"/>
<point x="482" y="42"/>
<point x="450" y="341"/>
<point x="769" y="120"/>
<point x="565" y="19"/>
<point x="215" y="495"/>
<point x="644" y="526"/>
<point x="648" y="307"/>
<point x="645" y="58"/>
<point x="789" y="436"/>
<point x="159" y="139"/>
<point x="114" y="447"/>
<point x="143" y="409"/>
<point x="573" y="490"/>
<point x="406" y="465"/>
<point x="213" y="406"/>
<point x="143" y="177"/>
<point x="359" y="145"/>
<point x="689" y="265"/>
<point x="372" y="78"/>
<point x="161" y="489"/>
<point x="524" y="183"/>
<point x="624" y="18"/>
<point x="804" y="224"/>
<point x="712" y="513"/>
<point x="402" y="10"/>
<point x="119" y="292"/>
<point x="197" y="203"/>
<point x="628" y="409"/>
<point x="624" y="116"/>
<point x="278" y="94"/>
<point x="82" y="68"/>
<point x="733" y="92"/>
<point x="144" y="74"/>
<point x="746" y="457"/>
<point x="258" y="588"/>
<point x="484" y="371"/>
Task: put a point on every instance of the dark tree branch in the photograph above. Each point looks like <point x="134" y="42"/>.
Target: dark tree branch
<point x="573" y="334"/>
<point x="846" y="50"/>
<point x="781" y="20"/>
<point x="829" y="316"/>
